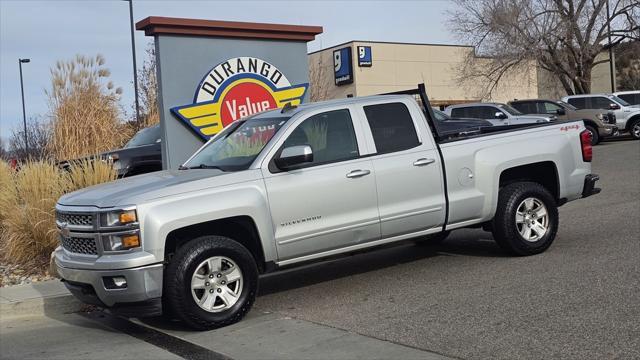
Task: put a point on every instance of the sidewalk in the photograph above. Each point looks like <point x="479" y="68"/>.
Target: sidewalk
<point x="41" y="320"/>
<point x="37" y="298"/>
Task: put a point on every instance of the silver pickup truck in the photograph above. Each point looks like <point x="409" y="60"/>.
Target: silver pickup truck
<point x="285" y="187"/>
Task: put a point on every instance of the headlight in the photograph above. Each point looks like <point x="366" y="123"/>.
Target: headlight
<point x="121" y="241"/>
<point x="118" y="218"/>
<point x="600" y="116"/>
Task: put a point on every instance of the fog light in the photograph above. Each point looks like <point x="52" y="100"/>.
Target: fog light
<point x="115" y="282"/>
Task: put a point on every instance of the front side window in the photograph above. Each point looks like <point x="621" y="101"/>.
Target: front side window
<point x="392" y="127"/>
<point x="460" y="113"/>
<point x="600" y="102"/>
<point x="550" y="108"/>
<point x="330" y="135"/>
<point x="238" y="145"/>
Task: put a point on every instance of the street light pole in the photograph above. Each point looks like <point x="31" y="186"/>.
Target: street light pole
<point x="611" y="59"/>
<point x="135" y="67"/>
<point x="24" y="113"/>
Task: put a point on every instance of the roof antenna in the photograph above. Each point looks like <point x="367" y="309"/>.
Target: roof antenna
<point x="288" y="106"/>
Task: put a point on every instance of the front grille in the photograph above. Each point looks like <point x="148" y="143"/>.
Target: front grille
<point x="75" y="219"/>
<point x="79" y="245"/>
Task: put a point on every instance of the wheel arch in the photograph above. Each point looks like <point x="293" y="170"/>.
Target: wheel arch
<point x="544" y="173"/>
<point x="242" y="229"/>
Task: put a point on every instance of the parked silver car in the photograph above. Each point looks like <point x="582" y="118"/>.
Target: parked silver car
<point x="495" y="113"/>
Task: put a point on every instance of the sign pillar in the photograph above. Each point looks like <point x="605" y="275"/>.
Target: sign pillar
<point x="211" y="73"/>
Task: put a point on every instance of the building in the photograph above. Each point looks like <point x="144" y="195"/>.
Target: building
<point x="360" y="68"/>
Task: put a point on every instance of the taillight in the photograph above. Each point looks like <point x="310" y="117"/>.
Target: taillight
<point x="585" y="142"/>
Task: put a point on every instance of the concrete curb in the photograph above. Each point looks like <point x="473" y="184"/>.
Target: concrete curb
<point x="41" y="298"/>
<point x="60" y="304"/>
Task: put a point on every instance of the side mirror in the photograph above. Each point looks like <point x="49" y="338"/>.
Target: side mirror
<point x="294" y="155"/>
<point x="500" y="115"/>
<point x="614" y="106"/>
<point x="561" y="112"/>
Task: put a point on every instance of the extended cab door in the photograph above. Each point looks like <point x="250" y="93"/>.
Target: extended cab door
<point x="331" y="202"/>
<point x="407" y="169"/>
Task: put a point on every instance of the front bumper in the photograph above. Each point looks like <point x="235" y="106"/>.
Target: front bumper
<point x="143" y="284"/>
<point x="589" y="185"/>
<point x="608" y="130"/>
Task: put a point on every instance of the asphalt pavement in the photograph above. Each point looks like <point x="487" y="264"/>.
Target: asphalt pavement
<point x="466" y="298"/>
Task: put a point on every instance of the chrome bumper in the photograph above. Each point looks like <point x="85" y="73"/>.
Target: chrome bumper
<point x="91" y="286"/>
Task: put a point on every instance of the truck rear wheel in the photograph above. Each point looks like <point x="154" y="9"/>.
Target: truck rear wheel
<point x="211" y="282"/>
<point x="526" y="219"/>
<point x="634" y="129"/>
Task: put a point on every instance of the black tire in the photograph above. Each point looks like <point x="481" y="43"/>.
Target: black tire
<point x="177" y="282"/>
<point x="634" y="129"/>
<point x="505" y="230"/>
<point x="595" y="137"/>
<point x="433" y="239"/>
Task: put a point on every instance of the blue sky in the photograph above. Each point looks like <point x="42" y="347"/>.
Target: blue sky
<point x="47" y="31"/>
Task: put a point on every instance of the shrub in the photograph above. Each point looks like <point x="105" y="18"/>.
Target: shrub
<point x="27" y="202"/>
<point x="84" y="110"/>
<point x="29" y="223"/>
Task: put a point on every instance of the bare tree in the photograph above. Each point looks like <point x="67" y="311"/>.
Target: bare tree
<point x="564" y="37"/>
<point x="319" y="88"/>
<point x="38" y="136"/>
<point x="148" y="89"/>
<point x="628" y="65"/>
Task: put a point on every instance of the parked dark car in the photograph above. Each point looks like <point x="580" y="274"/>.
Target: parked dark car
<point x="140" y="155"/>
<point x="450" y="126"/>
<point x="601" y="123"/>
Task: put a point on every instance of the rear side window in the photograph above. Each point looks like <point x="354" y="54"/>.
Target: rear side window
<point x="580" y="103"/>
<point x="392" y="127"/>
<point x="525" y="107"/>
<point x="459" y="113"/>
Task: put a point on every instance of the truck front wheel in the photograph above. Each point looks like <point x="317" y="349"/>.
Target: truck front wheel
<point x="211" y="282"/>
<point x="526" y="219"/>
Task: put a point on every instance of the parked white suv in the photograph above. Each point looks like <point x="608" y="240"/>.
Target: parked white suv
<point x="627" y="115"/>
<point x="632" y="97"/>
<point x="496" y="113"/>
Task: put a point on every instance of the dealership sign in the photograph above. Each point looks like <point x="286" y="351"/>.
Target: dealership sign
<point x="234" y="89"/>
<point x="343" y="70"/>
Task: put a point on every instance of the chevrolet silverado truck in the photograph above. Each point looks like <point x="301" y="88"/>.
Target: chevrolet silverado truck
<point x="287" y="187"/>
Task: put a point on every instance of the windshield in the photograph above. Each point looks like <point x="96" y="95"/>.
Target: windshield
<point x="567" y="105"/>
<point x="148" y="136"/>
<point x="238" y="145"/>
<point x="439" y="115"/>
<point x="619" y="101"/>
<point x="509" y="109"/>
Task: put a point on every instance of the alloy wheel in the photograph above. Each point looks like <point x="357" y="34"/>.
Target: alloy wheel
<point x="532" y="219"/>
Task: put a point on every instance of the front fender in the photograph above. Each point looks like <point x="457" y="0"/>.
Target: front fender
<point x="164" y="215"/>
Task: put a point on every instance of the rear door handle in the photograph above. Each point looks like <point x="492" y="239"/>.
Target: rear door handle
<point x="423" y="162"/>
<point x="358" y="173"/>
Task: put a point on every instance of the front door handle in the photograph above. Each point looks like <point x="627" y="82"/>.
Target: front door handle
<point x="423" y="162"/>
<point x="358" y="173"/>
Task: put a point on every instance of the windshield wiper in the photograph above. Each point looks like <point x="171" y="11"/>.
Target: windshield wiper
<point x="201" y="166"/>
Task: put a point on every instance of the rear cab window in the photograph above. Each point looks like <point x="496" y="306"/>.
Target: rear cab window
<point x="392" y="127"/>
